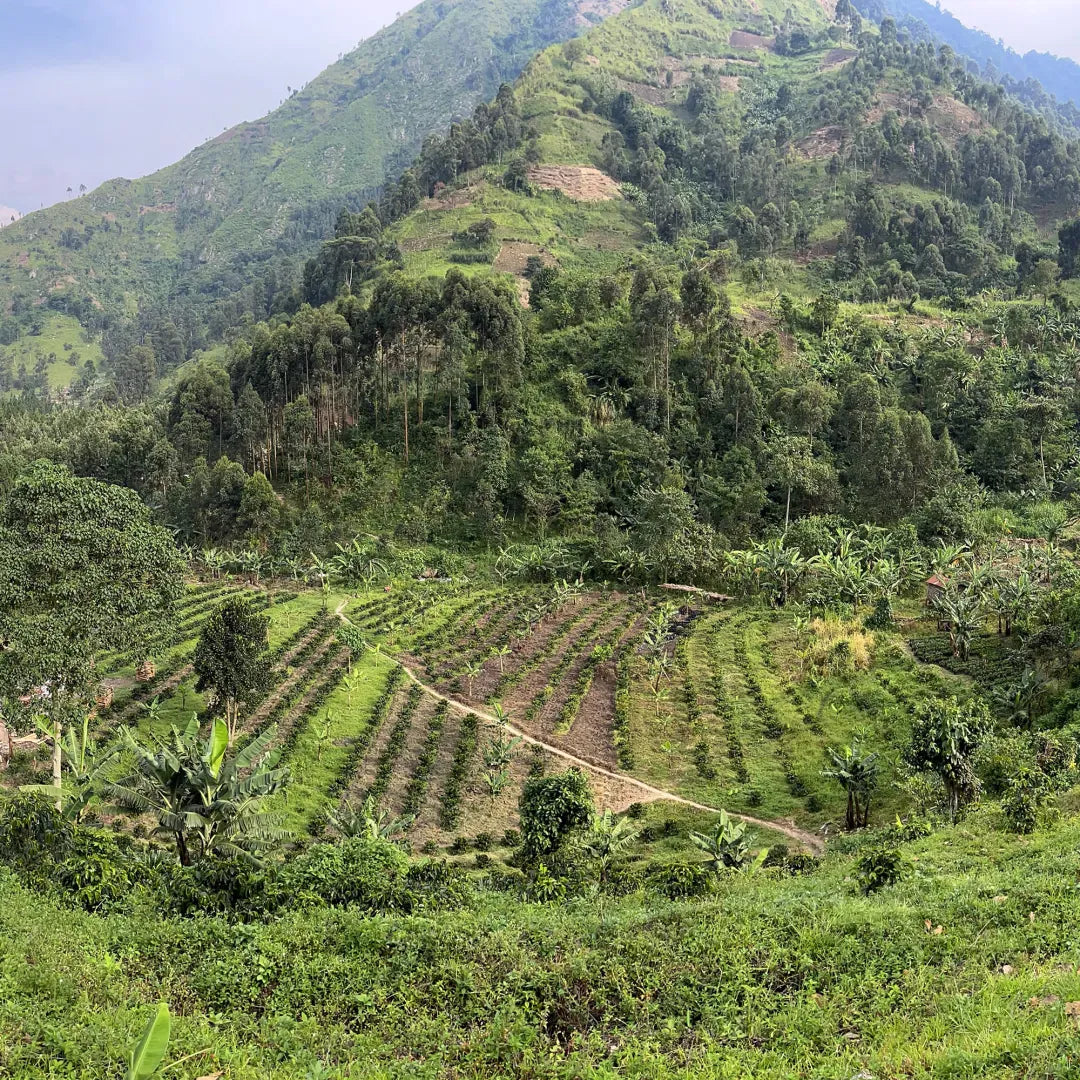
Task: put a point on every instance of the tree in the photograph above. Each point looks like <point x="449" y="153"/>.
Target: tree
<point x="552" y="807"/>
<point x="857" y="773"/>
<point x="83" y="570"/>
<point x="206" y="802"/>
<point x="944" y="736"/>
<point x="230" y="658"/>
<point x="963" y="612"/>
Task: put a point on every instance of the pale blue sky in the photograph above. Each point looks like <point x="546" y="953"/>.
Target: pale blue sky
<point x="92" y="89"/>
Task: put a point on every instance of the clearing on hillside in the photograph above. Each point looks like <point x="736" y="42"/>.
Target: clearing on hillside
<point x="582" y="183"/>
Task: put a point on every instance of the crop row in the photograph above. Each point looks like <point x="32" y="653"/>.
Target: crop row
<point x="461" y="609"/>
<point x="359" y="747"/>
<point x="725" y="711"/>
<point x="288" y="699"/>
<point x="384" y="770"/>
<point x="602" y="652"/>
<point x="771" y="726"/>
<point x="569" y="656"/>
<point x="454" y="789"/>
<point x="312" y="701"/>
<point x="485" y="642"/>
<point x="624" y="681"/>
<point x="429" y="754"/>
<point x="508" y="680"/>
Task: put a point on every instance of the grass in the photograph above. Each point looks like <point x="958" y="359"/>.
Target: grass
<point x="62" y="346"/>
<point x="775" y="977"/>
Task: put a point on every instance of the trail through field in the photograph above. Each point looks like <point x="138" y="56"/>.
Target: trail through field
<point x="653" y="794"/>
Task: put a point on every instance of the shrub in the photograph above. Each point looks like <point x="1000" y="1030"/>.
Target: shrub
<point x="361" y="871"/>
<point x="1027" y="794"/>
<point x="552" y="807"/>
<point x="877" y="868"/>
<point x="682" y="881"/>
<point x="635" y="810"/>
<point x="484" y="841"/>
<point x="482" y="861"/>
<point x="460" y="845"/>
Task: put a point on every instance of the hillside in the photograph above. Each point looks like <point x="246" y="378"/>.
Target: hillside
<point x="1056" y="75"/>
<point x="214" y="223"/>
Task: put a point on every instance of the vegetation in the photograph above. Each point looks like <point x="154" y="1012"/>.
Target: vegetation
<point x="611" y="610"/>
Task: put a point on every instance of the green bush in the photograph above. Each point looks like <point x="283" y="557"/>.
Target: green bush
<point x="877" y="868"/>
<point x="362" y="871"/>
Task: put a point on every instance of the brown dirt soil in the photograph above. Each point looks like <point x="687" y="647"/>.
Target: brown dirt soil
<point x="425" y="243"/>
<point x="742" y="39"/>
<point x="405" y="765"/>
<point x="514" y="256"/>
<point x="582" y="183"/>
<point x="581" y="640"/>
<point x="835" y="58"/>
<point x="160" y="208"/>
<point x="823" y="143"/>
<point x="950" y="116"/>
<point x="730" y="84"/>
<point x="651" y="95"/>
<point x="364" y="776"/>
<point x="284" y="689"/>
<point x="427" y="820"/>
<point x="602" y="8"/>
<point x="456" y="199"/>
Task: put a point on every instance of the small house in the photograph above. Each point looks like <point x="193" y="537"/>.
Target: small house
<point x="935" y="588"/>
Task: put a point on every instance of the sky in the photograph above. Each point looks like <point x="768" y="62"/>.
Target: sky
<point x="94" y="89"/>
<point x="1051" y="26"/>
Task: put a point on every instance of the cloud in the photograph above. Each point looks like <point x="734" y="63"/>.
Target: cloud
<point x="123" y="87"/>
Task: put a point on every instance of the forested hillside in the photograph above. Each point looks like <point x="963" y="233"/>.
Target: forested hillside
<point x="1033" y="73"/>
<point x="203" y="242"/>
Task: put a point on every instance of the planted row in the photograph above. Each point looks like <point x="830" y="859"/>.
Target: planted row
<point x="429" y="754"/>
<point x="358" y="748"/>
<point x="725" y="711"/>
<point x="395" y="744"/>
<point x="454" y="789"/>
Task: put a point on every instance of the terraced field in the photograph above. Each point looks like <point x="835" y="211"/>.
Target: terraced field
<point x="458" y="694"/>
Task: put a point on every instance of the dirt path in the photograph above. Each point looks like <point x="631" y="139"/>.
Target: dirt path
<point x="653" y="794"/>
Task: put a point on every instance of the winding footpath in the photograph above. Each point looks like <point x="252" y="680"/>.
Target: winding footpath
<point x="652" y="794"/>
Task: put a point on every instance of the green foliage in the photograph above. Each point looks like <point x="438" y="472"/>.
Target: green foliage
<point x="552" y="808"/>
<point x="879" y="867"/>
<point x="152" y="1047"/>
<point x="207" y="799"/>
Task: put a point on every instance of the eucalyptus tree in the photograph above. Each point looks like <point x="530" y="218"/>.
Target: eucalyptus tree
<point x="83" y="571"/>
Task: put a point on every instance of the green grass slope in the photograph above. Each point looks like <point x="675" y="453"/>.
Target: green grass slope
<point x="203" y="226"/>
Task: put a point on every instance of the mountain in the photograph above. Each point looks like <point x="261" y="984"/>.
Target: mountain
<point x="1056" y="75"/>
<point x="212" y="224"/>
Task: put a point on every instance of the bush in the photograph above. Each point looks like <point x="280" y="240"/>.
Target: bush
<point x="635" y="810"/>
<point x="511" y="838"/>
<point x="362" y="871"/>
<point x="877" y="868"/>
<point x="551" y="808"/>
<point x="682" y="881"/>
<point x="1028" y="793"/>
<point x="484" y="841"/>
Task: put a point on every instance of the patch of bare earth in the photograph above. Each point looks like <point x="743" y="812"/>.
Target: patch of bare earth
<point x="835" y="58"/>
<point x="730" y="84"/>
<point x="823" y="143"/>
<point x="582" y="183"/>
<point x="743" y="39"/>
<point x="602" y="9"/>
<point x="513" y="258"/>
<point x="452" y="198"/>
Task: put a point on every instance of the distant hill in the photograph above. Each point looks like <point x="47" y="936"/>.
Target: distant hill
<point x="181" y="242"/>
<point x="1057" y="75"/>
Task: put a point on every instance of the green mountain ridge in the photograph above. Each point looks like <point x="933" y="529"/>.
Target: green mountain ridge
<point x="207" y="226"/>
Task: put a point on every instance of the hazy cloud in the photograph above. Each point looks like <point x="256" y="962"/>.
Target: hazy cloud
<point x="92" y="89"/>
<point x="1051" y="26"/>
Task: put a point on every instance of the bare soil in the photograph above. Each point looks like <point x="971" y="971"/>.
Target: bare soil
<point x="835" y="58"/>
<point x="823" y="143"/>
<point x="582" y="183"/>
<point x="742" y="39"/>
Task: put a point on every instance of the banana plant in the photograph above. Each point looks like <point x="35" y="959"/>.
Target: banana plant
<point x="151" y="1048"/>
